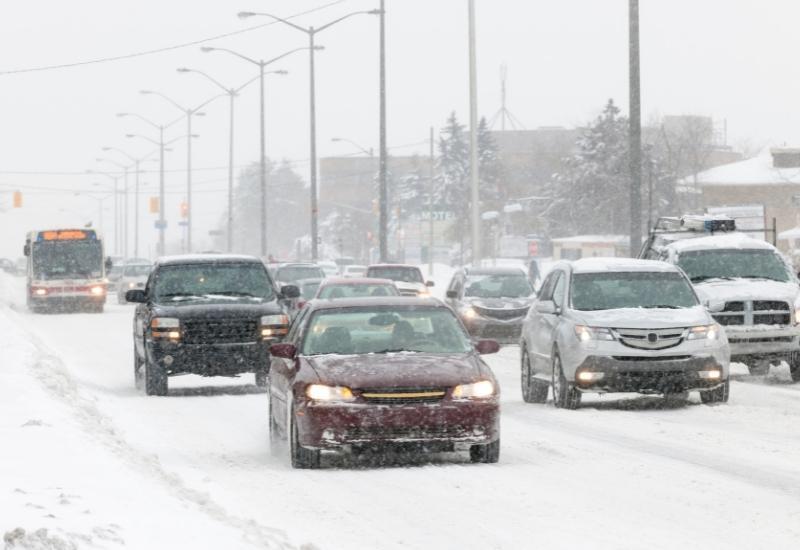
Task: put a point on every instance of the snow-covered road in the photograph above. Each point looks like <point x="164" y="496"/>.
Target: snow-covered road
<point x="195" y="468"/>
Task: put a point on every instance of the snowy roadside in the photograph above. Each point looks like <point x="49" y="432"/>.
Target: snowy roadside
<point x="69" y="480"/>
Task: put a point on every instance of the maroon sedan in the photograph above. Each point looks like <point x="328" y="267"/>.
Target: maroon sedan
<point x="359" y="373"/>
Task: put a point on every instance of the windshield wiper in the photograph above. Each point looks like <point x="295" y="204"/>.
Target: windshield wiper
<point x="702" y="278"/>
<point x="398" y="350"/>
<point x="181" y="295"/>
<point x="232" y="293"/>
<point x="761" y="277"/>
<point x="662" y="306"/>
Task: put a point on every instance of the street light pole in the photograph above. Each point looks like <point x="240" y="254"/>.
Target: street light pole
<point x="311" y="32"/>
<point x="635" y="130"/>
<point x="383" y="228"/>
<point x="473" y="140"/>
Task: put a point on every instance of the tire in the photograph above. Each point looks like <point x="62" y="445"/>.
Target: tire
<point x="138" y="375"/>
<point x="565" y="396"/>
<point x="533" y="390"/>
<point x="262" y="378"/>
<point x="155" y="379"/>
<point x="486" y="454"/>
<point x="717" y="395"/>
<point x="794" y="366"/>
<point x="302" y="458"/>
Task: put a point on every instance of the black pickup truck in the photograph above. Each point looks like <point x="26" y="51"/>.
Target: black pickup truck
<point x="212" y="315"/>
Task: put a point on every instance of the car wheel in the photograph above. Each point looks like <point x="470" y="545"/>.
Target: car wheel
<point x="533" y="390"/>
<point x="155" y="379"/>
<point x="138" y="375"/>
<point x="794" y="367"/>
<point x="565" y="396"/>
<point x="486" y="454"/>
<point x="262" y="378"/>
<point x="717" y="395"/>
<point x="302" y="458"/>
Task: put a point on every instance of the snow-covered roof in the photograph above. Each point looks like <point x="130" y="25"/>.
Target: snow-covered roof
<point x="728" y="240"/>
<point x="595" y="265"/>
<point x="593" y="239"/>
<point x="793" y="233"/>
<point x="758" y="170"/>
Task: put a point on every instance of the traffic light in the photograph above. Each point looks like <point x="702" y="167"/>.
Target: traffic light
<point x="154" y="206"/>
<point x="184" y="209"/>
<point x="17" y="200"/>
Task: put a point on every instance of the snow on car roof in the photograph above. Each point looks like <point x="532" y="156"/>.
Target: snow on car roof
<point x="728" y="240"/>
<point x="206" y="258"/>
<point x="596" y="265"/>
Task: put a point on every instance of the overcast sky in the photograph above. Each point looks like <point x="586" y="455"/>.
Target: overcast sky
<point x="734" y="60"/>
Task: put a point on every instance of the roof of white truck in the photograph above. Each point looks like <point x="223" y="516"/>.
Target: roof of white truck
<point x="596" y="265"/>
<point x="726" y="241"/>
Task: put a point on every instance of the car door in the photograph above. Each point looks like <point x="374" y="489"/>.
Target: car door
<point x="531" y="326"/>
<point x="283" y="371"/>
<point x="544" y="329"/>
<point x="141" y="318"/>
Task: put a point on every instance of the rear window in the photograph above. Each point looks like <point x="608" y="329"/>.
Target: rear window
<point x="290" y="274"/>
<point x="396" y="273"/>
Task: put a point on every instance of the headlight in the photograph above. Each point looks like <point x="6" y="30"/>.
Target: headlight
<point x="797" y="315"/>
<point x="273" y="326"/>
<point x="585" y="333"/>
<point x="704" y="332"/>
<point x="40" y="292"/>
<point x="321" y="392"/>
<point x="131" y="285"/>
<point x="469" y="312"/>
<point x="98" y="290"/>
<point x="478" y="390"/>
<point x="165" y="323"/>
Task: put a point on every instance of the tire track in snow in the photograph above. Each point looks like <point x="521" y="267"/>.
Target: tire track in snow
<point x="51" y="372"/>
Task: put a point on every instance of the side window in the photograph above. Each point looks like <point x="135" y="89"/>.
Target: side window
<point x="295" y="328"/>
<point x="546" y="292"/>
<point x="560" y="290"/>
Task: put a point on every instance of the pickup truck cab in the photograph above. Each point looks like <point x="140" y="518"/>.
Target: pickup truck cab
<point x="211" y="315"/>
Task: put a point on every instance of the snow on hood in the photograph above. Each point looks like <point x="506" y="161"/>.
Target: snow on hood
<point x="646" y="318"/>
<point x="747" y="289"/>
<point x="500" y="303"/>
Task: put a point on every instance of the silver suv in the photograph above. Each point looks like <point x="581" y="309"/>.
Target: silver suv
<point x="620" y="325"/>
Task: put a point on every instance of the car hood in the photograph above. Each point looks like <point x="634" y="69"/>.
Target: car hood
<point x="388" y="370"/>
<point x="499" y="303"/>
<point x="404" y="285"/>
<point x="212" y="308"/>
<point x="645" y="318"/>
<point x="747" y="289"/>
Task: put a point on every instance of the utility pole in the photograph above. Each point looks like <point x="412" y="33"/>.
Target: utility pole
<point x="313" y="147"/>
<point x="635" y="136"/>
<point x="230" y="173"/>
<point x="189" y="180"/>
<point x="431" y="192"/>
<point x="473" y="140"/>
<point x="263" y="164"/>
<point x="383" y="224"/>
<point x="136" y="214"/>
<point x="162" y="224"/>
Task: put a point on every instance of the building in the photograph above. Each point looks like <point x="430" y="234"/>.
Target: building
<point x="770" y="181"/>
<point x="590" y="246"/>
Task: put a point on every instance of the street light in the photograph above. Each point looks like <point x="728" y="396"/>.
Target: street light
<point x="232" y="94"/>
<point x="311" y="32"/>
<point x="261" y="64"/>
<point x="189" y="112"/>
<point x="369" y="152"/>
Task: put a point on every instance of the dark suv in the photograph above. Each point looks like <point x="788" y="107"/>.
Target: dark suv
<point x="208" y="315"/>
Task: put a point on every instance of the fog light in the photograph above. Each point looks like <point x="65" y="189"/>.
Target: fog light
<point x="589" y="376"/>
<point x="168" y="360"/>
<point x="714" y="374"/>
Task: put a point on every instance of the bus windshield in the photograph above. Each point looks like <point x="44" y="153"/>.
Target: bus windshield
<point x="67" y="259"/>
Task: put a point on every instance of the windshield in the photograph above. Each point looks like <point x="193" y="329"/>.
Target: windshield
<point x="136" y="270"/>
<point x="290" y="274"/>
<point x="506" y="285"/>
<point x="702" y="265"/>
<point x="598" y="291"/>
<point x="174" y="283"/>
<point x="396" y="273"/>
<point x="385" y="329"/>
<point x="67" y="259"/>
<point x="333" y="292"/>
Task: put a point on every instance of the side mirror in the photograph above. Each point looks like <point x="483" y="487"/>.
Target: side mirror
<point x="284" y="351"/>
<point x="290" y="291"/>
<point x="109" y="264"/>
<point x="715" y="306"/>
<point x="429" y="284"/>
<point x="547" y="307"/>
<point x="453" y="294"/>
<point x="135" y="296"/>
<point x="486" y="347"/>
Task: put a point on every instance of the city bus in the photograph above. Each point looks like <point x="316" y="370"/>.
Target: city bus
<point x="66" y="270"/>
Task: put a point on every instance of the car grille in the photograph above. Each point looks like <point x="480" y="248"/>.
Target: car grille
<point x="494" y="313"/>
<point x="663" y="380"/>
<point x="402" y="396"/>
<point x="220" y="331"/>
<point x="650" y="339"/>
<point x="383" y="433"/>
<point x="640" y="359"/>
<point x="776" y="339"/>
<point x="408" y="292"/>
<point x="757" y="312"/>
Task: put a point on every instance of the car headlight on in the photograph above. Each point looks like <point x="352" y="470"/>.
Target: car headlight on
<point x="131" y="285"/>
<point x="166" y="327"/>
<point x="98" y="290"/>
<point x="797" y="314"/>
<point x="321" y="392"/>
<point x="469" y="312"/>
<point x="274" y="326"/>
<point x="585" y="334"/>
<point x="477" y="390"/>
<point x="704" y="332"/>
<point x="40" y="292"/>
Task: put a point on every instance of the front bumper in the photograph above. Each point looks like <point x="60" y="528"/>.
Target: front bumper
<point x="763" y="341"/>
<point x="64" y="302"/>
<point x="209" y="359"/>
<point x="650" y="374"/>
<point x="504" y="331"/>
<point x="448" y="425"/>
